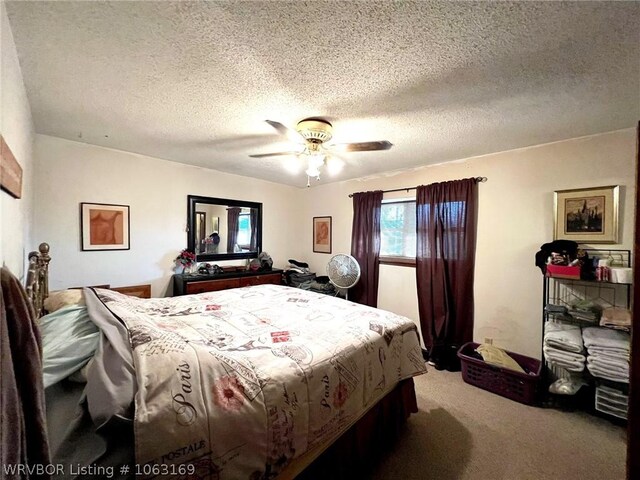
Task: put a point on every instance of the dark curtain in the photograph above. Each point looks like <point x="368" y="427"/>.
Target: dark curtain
<point x="233" y="217"/>
<point x="445" y="258"/>
<point x="365" y="245"/>
<point x="253" y="216"/>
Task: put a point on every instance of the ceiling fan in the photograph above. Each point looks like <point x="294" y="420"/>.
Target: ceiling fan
<point x="313" y="133"/>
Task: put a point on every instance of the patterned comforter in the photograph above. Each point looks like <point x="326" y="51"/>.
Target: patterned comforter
<point x="238" y="383"/>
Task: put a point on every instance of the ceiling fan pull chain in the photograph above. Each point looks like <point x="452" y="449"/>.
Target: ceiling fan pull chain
<point x="308" y="182"/>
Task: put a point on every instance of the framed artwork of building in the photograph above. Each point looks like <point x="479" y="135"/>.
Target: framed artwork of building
<point x="587" y="215"/>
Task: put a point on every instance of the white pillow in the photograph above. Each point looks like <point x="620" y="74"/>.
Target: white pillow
<point x="63" y="298"/>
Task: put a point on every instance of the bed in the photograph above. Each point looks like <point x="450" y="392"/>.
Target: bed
<point x="257" y="382"/>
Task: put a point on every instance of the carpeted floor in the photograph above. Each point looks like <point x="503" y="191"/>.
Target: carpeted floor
<point x="464" y="433"/>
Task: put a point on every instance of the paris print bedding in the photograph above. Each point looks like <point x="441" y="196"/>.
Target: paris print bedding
<point x="235" y="384"/>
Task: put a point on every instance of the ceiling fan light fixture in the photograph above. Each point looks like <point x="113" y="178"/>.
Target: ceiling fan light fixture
<point x="314" y="163"/>
<point x="315" y="154"/>
<point x="312" y="172"/>
<point x="315" y="130"/>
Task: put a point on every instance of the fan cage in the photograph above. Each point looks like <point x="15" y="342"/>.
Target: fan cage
<point x="343" y="271"/>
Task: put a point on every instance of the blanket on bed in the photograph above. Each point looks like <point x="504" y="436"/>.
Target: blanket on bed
<point x="235" y="384"/>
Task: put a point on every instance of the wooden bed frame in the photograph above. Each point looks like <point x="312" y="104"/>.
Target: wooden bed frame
<point x="342" y="457"/>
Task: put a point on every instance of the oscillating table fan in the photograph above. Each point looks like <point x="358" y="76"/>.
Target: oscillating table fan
<point x="343" y="271"/>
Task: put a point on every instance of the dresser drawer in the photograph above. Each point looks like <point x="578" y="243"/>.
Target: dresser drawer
<point x="270" y="278"/>
<point x="212" y="285"/>
<point x="184" y="284"/>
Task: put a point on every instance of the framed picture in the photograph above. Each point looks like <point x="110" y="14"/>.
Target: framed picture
<point x="322" y="234"/>
<point x="10" y="171"/>
<point x="104" y="226"/>
<point x="587" y="215"/>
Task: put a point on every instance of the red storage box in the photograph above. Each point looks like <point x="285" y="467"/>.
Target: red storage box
<point x="563" y="271"/>
<point x="521" y="387"/>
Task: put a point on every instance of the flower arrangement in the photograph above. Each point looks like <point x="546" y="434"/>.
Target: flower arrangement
<point x="186" y="258"/>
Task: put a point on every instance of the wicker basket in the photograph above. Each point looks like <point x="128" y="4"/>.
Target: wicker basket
<point x="521" y="387"/>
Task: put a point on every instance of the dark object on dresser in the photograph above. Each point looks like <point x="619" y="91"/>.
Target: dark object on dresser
<point x="568" y="248"/>
<point x="266" y="263"/>
<point x="189" y="284"/>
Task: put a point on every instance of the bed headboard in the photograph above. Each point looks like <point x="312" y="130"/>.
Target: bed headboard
<point x="37" y="283"/>
<point x="38" y="278"/>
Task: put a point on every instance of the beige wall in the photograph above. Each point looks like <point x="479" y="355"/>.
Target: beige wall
<point x="515" y="218"/>
<point x="156" y="191"/>
<point x="16" y="126"/>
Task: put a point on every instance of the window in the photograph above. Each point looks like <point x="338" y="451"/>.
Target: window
<point x="244" y="230"/>
<point x="398" y="230"/>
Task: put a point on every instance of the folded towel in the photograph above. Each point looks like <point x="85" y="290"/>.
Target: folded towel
<point x="615" y="327"/>
<point x="612" y="352"/>
<point x="563" y="355"/>
<point x="584" y="317"/>
<point x="607" y="355"/>
<point x="571" y="367"/>
<point x="614" y="366"/>
<point x="606" y="337"/>
<point x="587" y="306"/>
<point x="550" y="308"/>
<point x="615" y="317"/>
<point x="570" y="361"/>
<point x="607" y="374"/>
<point x="563" y="336"/>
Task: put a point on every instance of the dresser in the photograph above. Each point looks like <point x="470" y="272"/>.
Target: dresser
<point x="185" y="284"/>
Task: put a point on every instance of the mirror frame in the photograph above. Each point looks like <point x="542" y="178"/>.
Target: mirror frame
<point x="191" y="223"/>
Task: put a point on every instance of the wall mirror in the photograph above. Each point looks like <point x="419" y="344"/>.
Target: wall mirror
<point x="223" y="229"/>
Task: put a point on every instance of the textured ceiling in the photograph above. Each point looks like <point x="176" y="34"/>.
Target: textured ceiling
<point x="193" y="82"/>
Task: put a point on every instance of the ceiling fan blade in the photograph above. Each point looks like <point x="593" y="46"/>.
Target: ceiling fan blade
<point x="362" y="146"/>
<point x="286" y="131"/>
<point x="274" y="154"/>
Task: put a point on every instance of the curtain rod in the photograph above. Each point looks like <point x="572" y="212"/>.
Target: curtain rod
<point x="477" y="179"/>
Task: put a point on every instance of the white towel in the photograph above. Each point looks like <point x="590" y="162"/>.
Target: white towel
<point x="603" y="362"/>
<point x="563" y="336"/>
<point x="610" y="356"/>
<point x="612" y="352"/>
<point x="571" y="367"/>
<point x="606" y="337"/>
<point x="563" y="355"/>
<point x="571" y="361"/>
<point x="605" y="373"/>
